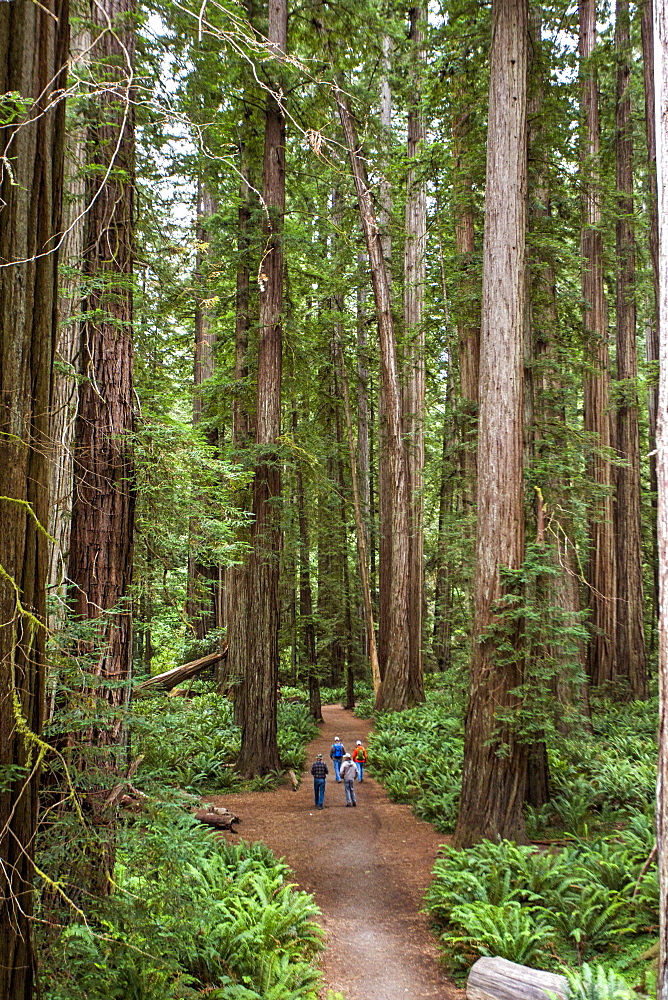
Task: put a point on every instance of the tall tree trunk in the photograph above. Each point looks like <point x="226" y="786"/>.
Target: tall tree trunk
<point x="33" y="65"/>
<point x="661" y="123"/>
<point x="64" y="399"/>
<point x="385" y="481"/>
<point x="652" y="328"/>
<point x="493" y="783"/>
<point x="203" y="579"/>
<point x="414" y="391"/>
<point x="395" y="691"/>
<point x="630" y="652"/>
<point x="601" y="574"/>
<point x="243" y="430"/>
<point x="259" y="749"/>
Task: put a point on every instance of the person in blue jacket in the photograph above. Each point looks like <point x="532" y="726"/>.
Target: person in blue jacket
<point x="336" y="754"/>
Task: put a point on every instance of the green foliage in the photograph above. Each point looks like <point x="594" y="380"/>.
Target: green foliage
<point x="190" y="910"/>
<point x="506" y="930"/>
<point x="594" y="982"/>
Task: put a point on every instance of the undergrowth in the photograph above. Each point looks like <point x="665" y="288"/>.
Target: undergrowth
<point x="189" y="913"/>
<point x="586" y="893"/>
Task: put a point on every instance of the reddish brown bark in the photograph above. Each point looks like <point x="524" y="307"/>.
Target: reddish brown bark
<point x="100" y="561"/>
<point x="652" y="329"/>
<point x="259" y="656"/>
<point x="33" y="53"/>
<point x="630" y="653"/>
<point x="601" y="571"/>
<point x="661" y="29"/>
<point x="493" y="782"/>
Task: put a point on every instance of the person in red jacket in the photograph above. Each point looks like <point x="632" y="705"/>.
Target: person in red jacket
<point x="359" y="756"/>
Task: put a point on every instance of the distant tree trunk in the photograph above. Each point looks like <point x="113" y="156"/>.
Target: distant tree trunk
<point x="362" y="459"/>
<point x="203" y="579"/>
<point x="652" y="327"/>
<point x="395" y="691"/>
<point x="630" y="653"/>
<point x="306" y="603"/>
<point x="259" y="749"/>
<point x="442" y="638"/>
<point x="467" y="310"/>
<point x="359" y="529"/>
<point x="414" y="361"/>
<point x="661" y="121"/>
<point x="34" y="66"/>
<point x="493" y="782"/>
<point x="385" y="481"/>
<point x="601" y="574"/>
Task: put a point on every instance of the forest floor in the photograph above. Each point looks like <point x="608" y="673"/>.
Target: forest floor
<point x="367" y="869"/>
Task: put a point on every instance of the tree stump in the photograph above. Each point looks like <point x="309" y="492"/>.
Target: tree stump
<point x="499" y="979"/>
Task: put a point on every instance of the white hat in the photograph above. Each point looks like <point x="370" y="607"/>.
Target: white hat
<point x="359" y="743"/>
<point x="336" y="739"/>
<point x="347" y="755"/>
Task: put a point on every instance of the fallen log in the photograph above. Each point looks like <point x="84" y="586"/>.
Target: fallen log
<point x="215" y="816"/>
<point x="499" y="979"/>
<point x="172" y="678"/>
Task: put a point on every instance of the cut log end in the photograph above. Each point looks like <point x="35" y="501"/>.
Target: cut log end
<point x="499" y="979"/>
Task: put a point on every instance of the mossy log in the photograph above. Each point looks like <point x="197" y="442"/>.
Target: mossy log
<point x="499" y="979"/>
<point x="171" y="678"/>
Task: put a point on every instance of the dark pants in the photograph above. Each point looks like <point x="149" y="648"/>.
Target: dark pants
<point x="319" y="791"/>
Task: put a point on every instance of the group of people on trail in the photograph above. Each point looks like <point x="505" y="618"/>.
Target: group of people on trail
<point x="347" y="768"/>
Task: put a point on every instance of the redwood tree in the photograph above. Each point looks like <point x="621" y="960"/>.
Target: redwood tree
<point x="601" y="574"/>
<point x="494" y="776"/>
<point x="257" y="656"/>
<point x="630" y="637"/>
<point x="32" y="65"/>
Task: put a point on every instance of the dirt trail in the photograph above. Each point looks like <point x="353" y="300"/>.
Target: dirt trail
<point x="367" y="868"/>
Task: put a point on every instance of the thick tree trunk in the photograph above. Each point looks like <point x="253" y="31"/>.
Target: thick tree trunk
<point x="630" y="652"/>
<point x="100" y="558"/>
<point x="259" y="749"/>
<point x="33" y="54"/>
<point x="414" y="361"/>
<point x="493" y="783"/>
<point x="601" y="573"/>
<point x="100" y="563"/>
<point x="652" y="327"/>
<point x="661" y="122"/>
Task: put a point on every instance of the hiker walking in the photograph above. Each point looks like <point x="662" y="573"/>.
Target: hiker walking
<point x="348" y="774"/>
<point x="336" y="754"/>
<point x="359" y="757"/>
<point x="319" y="771"/>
